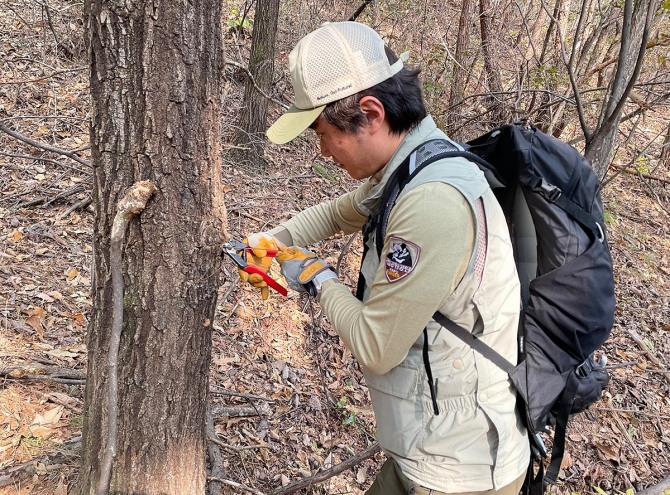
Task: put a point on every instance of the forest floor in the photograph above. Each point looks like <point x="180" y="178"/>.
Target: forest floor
<point x="311" y="406"/>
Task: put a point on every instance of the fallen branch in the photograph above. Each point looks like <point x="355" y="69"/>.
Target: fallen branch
<point x="133" y="203"/>
<point x="322" y="476"/>
<point x="263" y="409"/>
<point x="660" y="488"/>
<point x="48" y="76"/>
<point x="51" y="462"/>
<point x="235" y="484"/>
<point x="640" y="343"/>
<point x="626" y="435"/>
<point x="43" y="146"/>
<point x="628" y="170"/>
<point x="79" y="205"/>
<point x="216" y="469"/>
<point x="232" y="393"/>
<point x="46" y="160"/>
<point x="54" y="374"/>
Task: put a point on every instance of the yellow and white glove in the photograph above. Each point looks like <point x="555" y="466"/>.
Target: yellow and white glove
<point x="303" y="270"/>
<point x="259" y="243"/>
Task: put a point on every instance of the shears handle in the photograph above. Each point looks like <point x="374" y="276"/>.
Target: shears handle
<point x="250" y="269"/>
<point x="270" y="252"/>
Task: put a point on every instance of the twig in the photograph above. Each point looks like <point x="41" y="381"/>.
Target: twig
<point x="344" y="252"/>
<point x="219" y="411"/>
<point x="359" y="10"/>
<point x="80" y="205"/>
<point x="51" y="25"/>
<point x="216" y="469"/>
<point x="251" y="78"/>
<point x="627" y="170"/>
<point x="43" y="146"/>
<point x="245" y="214"/>
<point x="634" y="412"/>
<point x="235" y="484"/>
<point x="214" y="439"/>
<point x="640" y="343"/>
<point x="47" y="160"/>
<point x="223" y="391"/>
<point x="51" y="462"/>
<point x="630" y="441"/>
<point x="133" y="203"/>
<point x="661" y="487"/>
<point x="53" y="374"/>
<point x="330" y="472"/>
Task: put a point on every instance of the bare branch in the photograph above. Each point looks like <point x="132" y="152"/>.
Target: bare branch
<point x="132" y="203"/>
<point x="573" y="80"/>
<point x="248" y="73"/>
<point x="42" y="146"/>
<point x="44" y="78"/>
<point x="610" y="119"/>
<point x="359" y="10"/>
<point x="47" y="160"/>
<point x="330" y="472"/>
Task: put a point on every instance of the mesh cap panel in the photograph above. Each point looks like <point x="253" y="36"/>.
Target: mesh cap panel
<point x="335" y="61"/>
<point x="338" y="60"/>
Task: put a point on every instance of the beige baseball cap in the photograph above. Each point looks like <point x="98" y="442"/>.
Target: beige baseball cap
<point x="337" y="60"/>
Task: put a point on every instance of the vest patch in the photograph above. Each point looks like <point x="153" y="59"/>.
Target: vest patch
<point x="401" y="259"/>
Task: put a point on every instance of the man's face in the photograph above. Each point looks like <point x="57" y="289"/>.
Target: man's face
<point x="353" y="153"/>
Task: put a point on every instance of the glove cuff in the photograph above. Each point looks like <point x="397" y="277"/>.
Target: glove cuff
<point x="321" y="277"/>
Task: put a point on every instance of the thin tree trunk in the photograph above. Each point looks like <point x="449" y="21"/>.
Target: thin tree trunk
<point x="491" y="69"/>
<point x="155" y="78"/>
<point x="636" y="24"/>
<point x="250" y="136"/>
<point x="460" y="52"/>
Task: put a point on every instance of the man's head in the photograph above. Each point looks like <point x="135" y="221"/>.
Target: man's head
<point x="334" y="69"/>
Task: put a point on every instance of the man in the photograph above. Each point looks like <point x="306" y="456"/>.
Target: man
<point x="446" y="248"/>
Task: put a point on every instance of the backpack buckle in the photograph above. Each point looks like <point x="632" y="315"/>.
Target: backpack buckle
<point x="584" y="369"/>
<point x="549" y="191"/>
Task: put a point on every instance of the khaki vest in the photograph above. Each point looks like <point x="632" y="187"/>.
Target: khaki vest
<point x="477" y="441"/>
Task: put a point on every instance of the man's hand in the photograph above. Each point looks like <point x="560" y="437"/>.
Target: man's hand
<point x="303" y="270"/>
<point x="258" y="256"/>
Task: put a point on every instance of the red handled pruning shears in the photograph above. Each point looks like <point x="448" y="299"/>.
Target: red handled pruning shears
<point x="236" y="250"/>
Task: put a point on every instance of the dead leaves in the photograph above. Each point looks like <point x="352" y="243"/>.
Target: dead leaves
<point x="26" y="423"/>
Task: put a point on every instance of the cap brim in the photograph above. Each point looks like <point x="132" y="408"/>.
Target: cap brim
<point x="292" y="124"/>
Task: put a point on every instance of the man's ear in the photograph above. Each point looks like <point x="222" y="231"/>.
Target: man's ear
<point x="374" y="111"/>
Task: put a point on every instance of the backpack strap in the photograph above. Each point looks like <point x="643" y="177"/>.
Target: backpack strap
<point x="427" y="153"/>
<point x="554" y="195"/>
<point x="407" y="170"/>
<point x="470" y="339"/>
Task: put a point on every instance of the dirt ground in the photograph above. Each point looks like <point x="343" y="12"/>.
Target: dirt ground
<point x="313" y="404"/>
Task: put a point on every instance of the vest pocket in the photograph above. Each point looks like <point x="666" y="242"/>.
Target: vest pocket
<point x="398" y="408"/>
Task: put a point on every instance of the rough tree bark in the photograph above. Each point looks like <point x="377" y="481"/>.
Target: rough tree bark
<point x="636" y="24"/>
<point x="155" y="73"/>
<point x="460" y="52"/>
<point x="497" y="114"/>
<point x="249" y="137"/>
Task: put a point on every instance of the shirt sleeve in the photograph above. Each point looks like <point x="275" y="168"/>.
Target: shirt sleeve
<point x="437" y="221"/>
<point x="327" y="219"/>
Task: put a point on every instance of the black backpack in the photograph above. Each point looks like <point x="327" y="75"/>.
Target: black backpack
<point x="551" y="199"/>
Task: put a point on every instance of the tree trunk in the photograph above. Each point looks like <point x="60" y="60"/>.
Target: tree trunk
<point x="249" y="138"/>
<point x="155" y="74"/>
<point x="498" y="115"/>
<point x="637" y="20"/>
<point x="459" y="76"/>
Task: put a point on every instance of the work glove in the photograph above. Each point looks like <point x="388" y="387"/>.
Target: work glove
<point x="258" y="257"/>
<point x="303" y="270"/>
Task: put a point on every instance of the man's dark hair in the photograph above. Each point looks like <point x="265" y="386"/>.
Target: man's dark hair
<point x="401" y="96"/>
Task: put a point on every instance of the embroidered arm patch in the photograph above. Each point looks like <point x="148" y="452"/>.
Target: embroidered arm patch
<point x="403" y="256"/>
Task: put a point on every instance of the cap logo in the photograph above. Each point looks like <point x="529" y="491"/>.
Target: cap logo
<point x="401" y="259"/>
<point x="334" y="92"/>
